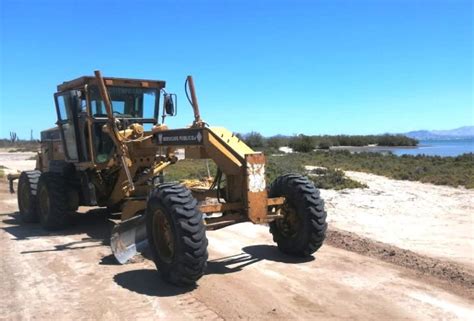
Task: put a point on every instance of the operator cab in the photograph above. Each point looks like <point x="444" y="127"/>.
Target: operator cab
<point x="82" y="113"/>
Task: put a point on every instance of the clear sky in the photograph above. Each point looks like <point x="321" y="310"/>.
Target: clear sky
<point x="314" y="67"/>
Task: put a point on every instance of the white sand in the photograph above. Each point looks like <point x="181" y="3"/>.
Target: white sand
<point x="16" y="162"/>
<point x="433" y="220"/>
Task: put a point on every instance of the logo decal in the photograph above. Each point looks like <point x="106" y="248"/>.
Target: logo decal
<point x="180" y="137"/>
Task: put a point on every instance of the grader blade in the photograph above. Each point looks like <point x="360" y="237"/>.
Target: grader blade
<point x="129" y="238"/>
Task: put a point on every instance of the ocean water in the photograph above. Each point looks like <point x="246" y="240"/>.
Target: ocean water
<point x="439" y="148"/>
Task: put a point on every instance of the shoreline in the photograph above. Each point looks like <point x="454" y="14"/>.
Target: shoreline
<point x="377" y="149"/>
<point x="441" y="148"/>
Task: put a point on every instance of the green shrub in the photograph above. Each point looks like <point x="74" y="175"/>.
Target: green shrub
<point x="396" y="140"/>
<point x="333" y="179"/>
<point x="324" y="145"/>
<point x="189" y="169"/>
<point x="453" y="171"/>
<point x="280" y="165"/>
<point x="269" y="151"/>
<point x="20" y="145"/>
<point x="302" y="143"/>
<point x="254" y="139"/>
<point x="277" y="141"/>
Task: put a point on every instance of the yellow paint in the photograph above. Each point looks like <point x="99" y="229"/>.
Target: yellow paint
<point x="232" y="141"/>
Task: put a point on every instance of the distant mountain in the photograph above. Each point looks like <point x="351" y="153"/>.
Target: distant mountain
<point x="458" y="133"/>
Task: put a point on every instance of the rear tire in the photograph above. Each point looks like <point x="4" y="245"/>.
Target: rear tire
<point x="176" y="234"/>
<point x="52" y="201"/>
<point x="302" y="230"/>
<point x="27" y="193"/>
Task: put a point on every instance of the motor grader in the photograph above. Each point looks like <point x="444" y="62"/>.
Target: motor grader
<point x="109" y="149"/>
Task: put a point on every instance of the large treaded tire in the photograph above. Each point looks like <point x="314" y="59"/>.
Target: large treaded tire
<point x="305" y="201"/>
<point x="186" y="262"/>
<point x="52" y="201"/>
<point x="27" y="192"/>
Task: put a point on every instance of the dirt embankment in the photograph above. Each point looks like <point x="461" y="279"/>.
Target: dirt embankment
<point x="454" y="274"/>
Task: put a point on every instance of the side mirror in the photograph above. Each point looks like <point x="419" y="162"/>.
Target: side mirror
<point x="169" y="104"/>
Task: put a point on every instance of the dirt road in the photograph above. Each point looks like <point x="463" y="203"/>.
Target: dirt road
<point x="71" y="275"/>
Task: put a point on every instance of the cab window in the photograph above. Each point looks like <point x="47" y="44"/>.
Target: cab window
<point x="126" y="102"/>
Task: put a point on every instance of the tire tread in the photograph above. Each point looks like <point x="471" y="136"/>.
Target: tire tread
<point x="60" y="212"/>
<point x="309" y="206"/>
<point x="29" y="214"/>
<point x="190" y="259"/>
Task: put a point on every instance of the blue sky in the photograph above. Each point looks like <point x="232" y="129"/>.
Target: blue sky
<point x="314" y="67"/>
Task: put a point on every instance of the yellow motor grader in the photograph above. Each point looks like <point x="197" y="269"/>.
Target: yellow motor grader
<point x="109" y="149"/>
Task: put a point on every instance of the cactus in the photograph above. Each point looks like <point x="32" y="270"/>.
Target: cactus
<point x="13" y="137"/>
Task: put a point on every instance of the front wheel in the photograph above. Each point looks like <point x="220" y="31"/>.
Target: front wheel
<point x="302" y="229"/>
<point x="176" y="234"/>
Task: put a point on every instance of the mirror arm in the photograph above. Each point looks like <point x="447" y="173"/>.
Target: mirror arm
<point x="163" y="114"/>
<point x="175" y="104"/>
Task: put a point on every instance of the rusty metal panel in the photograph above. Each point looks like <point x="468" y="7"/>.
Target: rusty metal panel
<point x="215" y="208"/>
<point x="111" y="81"/>
<point x="255" y="186"/>
<point x="276" y="201"/>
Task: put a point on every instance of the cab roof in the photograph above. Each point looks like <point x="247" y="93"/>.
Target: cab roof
<point x="80" y="82"/>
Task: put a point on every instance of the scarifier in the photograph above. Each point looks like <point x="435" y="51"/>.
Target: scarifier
<point x="109" y="149"/>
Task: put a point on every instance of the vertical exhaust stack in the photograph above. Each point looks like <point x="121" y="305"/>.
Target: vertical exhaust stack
<point x="194" y="103"/>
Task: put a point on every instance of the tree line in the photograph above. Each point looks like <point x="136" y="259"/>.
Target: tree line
<point x="305" y="143"/>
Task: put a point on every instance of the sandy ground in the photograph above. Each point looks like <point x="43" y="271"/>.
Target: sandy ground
<point x="72" y="275"/>
<point x="15" y="162"/>
<point x="432" y="220"/>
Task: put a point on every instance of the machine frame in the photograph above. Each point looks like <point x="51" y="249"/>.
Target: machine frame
<point x="109" y="158"/>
